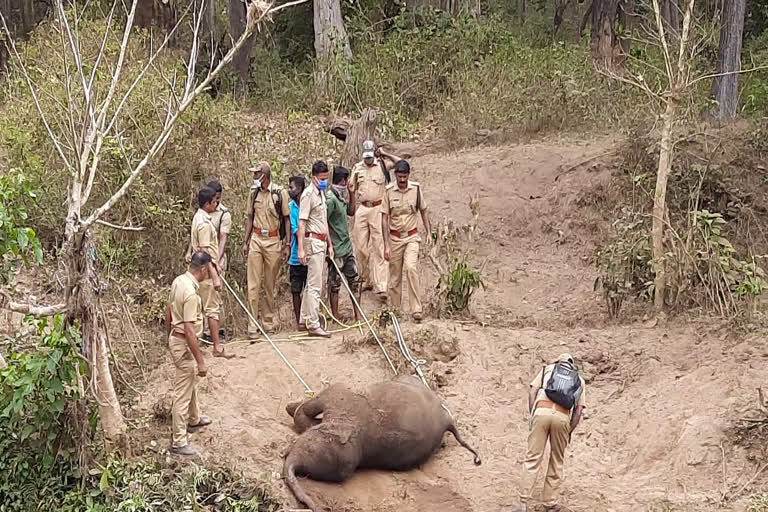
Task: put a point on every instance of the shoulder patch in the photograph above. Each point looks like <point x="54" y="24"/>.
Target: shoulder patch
<point x="390" y="186"/>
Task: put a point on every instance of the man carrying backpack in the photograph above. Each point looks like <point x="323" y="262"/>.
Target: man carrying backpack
<point x="555" y="401"/>
<point x="268" y="214"/>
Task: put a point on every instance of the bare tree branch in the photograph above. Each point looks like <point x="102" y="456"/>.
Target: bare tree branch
<point x="116" y="226"/>
<point x="29" y="309"/>
<point x="715" y="75"/>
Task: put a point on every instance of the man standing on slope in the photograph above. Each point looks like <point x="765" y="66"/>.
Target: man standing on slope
<point x="555" y="401"/>
<point x="297" y="273"/>
<point x="403" y="201"/>
<point x="184" y="324"/>
<point x="266" y="223"/>
<point x="313" y="241"/>
<point x="204" y="238"/>
<point x="222" y="221"/>
<point x="369" y="179"/>
<point x="338" y="210"/>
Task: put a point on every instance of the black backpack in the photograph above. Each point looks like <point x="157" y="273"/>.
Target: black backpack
<point x="564" y="385"/>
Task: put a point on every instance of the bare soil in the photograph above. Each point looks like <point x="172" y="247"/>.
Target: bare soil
<point x="661" y="397"/>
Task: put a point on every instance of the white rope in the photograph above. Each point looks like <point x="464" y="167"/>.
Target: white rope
<point x="416" y="363"/>
<point x="296" y="373"/>
<point x="360" y="309"/>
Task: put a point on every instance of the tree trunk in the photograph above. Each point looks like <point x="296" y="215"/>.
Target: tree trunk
<point x="209" y="21"/>
<point x="659" y="204"/>
<point x="585" y="19"/>
<point x="331" y="42"/>
<point x="604" y="39"/>
<point x="626" y="20"/>
<point x="560" y="7"/>
<point x="82" y="295"/>
<point x="521" y="11"/>
<point x="725" y="88"/>
<point x="242" y="59"/>
<point x="27" y="16"/>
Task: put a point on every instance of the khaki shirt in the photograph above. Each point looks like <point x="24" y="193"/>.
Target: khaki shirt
<point x="222" y="221"/>
<point x="204" y="234"/>
<point x="368" y="182"/>
<point x="541" y="395"/>
<point x="263" y="208"/>
<point x="314" y="210"/>
<point x="186" y="305"/>
<point x="400" y="205"/>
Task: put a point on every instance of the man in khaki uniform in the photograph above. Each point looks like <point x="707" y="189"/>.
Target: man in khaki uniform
<point x="368" y="181"/>
<point x="184" y="324"/>
<point x="268" y="207"/>
<point x="204" y="238"/>
<point x="402" y="202"/>
<point x="548" y="421"/>
<point x="314" y="238"/>
<point x="222" y="221"/>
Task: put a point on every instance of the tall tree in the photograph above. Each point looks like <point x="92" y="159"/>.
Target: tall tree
<point x="603" y="32"/>
<point x="238" y="18"/>
<point x="725" y="86"/>
<point x="331" y="40"/>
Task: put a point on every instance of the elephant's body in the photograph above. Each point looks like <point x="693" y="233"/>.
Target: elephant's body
<point x="395" y="425"/>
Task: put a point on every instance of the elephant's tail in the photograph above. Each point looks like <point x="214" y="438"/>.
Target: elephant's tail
<point x="289" y="475"/>
<point x="453" y="430"/>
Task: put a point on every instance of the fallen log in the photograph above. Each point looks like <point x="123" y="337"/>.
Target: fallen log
<point x="354" y="132"/>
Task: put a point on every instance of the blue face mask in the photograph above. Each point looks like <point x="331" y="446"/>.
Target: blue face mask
<point x="322" y="185"/>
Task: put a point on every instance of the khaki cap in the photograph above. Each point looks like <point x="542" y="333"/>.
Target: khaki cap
<point x="565" y="357"/>
<point x="262" y="166"/>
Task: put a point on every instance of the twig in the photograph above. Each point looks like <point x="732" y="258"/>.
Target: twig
<point x="754" y="477"/>
<point x="123" y="228"/>
<point x="725" y="474"/>
<point x="582" y="162"/>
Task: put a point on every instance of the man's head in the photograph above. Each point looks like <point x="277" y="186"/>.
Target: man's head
<point x="369" y="152"/>
<point x="198" y="265"/>
<point x="296" y="186"/>
<point x="320" y="174"/>
<point x="216" y="187"/>
<point x="402" y="172"/>
<point x="262" y="174"/>
<point x="340" y="176"/>
<point x="206" y="198"/>
<point x="565" y="357"/>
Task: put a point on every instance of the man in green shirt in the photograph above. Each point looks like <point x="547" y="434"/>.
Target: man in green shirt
<point x="338" y="225"/>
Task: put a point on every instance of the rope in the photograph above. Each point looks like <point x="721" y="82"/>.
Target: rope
<point x="362" y="313"/>
<point x="416" y="363"/>
<point x="266" y="336"/>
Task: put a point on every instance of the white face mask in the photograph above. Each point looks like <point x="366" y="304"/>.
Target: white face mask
<point x="256" y="184"/>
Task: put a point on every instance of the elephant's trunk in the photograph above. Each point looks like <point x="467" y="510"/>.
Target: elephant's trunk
<point x="289" y="475"/>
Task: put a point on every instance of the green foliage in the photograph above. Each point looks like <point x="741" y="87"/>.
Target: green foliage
<point x="758" y="503"/>
<point x="458" y="285"/>
<point x="37" y="392"/>
<point x="16" y="240"/>
<point x="624" y="264"/>
<point x="144" y="485"/>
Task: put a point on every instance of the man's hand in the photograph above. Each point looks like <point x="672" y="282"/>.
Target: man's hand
<point x="303" y="256"/>
<point x="387" y="253"/>
<point x="330" y="251"/>
<point x="286" y="253"/>
<point x="245" y="251"/>
<point x="202" y="371"/>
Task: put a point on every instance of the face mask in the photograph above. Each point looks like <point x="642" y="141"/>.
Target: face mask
<point x="322" y="185"/>
<point x="256" y="184"/>
<point x="341" y="189"/>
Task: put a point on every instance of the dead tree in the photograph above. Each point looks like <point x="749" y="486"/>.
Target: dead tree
<point x="725" y="86"/>
<point x="331" y="42"/>
<point x="99" y="105"/>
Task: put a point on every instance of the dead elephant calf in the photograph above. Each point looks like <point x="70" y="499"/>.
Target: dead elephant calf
<point x="396" y="425"/>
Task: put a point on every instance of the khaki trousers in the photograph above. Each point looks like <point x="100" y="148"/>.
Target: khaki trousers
<point x="547" y="424"/>
<point x="404" y="260"/>
<point x="263" y="267"/>
<point x="369" y="245"/>
<point x="310" y="301"/>
<point x="184" y="411"/>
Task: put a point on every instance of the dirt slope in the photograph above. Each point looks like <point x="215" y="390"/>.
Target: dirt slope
<point x="660" y="399"/>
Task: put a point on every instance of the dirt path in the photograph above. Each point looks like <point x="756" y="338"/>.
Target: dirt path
<point x="660" y="399"/>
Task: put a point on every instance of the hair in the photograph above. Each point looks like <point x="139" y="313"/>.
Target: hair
<point x="402" y="166"/>
<point x="199" y="260"/>
<point x="215" y="186"/>
<point x="340" y="174"/>
<point x="319" y="167"/>
<point x="299" y="181"/>
<point x="205" y="196"/>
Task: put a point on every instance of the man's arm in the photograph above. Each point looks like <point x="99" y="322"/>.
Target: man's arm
<point x="427" y="227"/>
<point x="385" y="236"/>
<point x="167" y="320"/>
<point x="393" y="159"/>
<point x="188" y="254"/>
<point x="300" y="239"/>
<point x="532" y="397"/>
<point x="223" y="237"/>
<point x="248" y="228"/>
<point x="289" y="236"/>
<point x="576" y="417"/>
<point x="194" y="347"/>
<point x="352" y="206"/>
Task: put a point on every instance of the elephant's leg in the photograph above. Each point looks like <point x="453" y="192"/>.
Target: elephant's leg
<point x="304" y="415"/>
